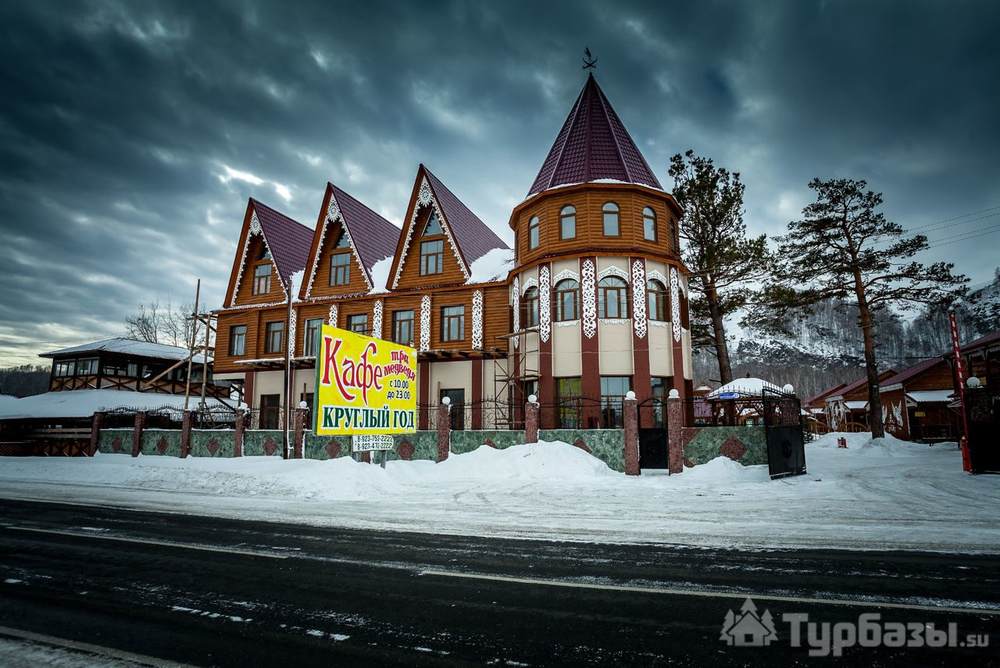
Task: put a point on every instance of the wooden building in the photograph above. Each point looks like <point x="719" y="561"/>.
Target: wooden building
<point x="590" y="303"/>
<point x="847" y="408"/>
<point x="915" y="402"/>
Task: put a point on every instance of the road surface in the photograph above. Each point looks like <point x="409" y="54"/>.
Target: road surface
<point x="129" y="587"/>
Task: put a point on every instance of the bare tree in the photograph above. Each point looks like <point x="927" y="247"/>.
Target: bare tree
<point x="161" y="324"/>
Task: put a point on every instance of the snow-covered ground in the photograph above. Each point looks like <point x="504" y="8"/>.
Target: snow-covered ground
<point x="886" y="494"/>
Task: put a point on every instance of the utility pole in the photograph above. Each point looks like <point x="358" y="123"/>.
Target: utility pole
<point x="194" y="334"/>
<point x="289" y="379"/>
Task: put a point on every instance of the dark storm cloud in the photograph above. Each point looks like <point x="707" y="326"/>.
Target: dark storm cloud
<point x="131" y="134"/>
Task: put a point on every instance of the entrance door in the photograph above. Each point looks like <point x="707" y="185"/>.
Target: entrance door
<point x="269" y="410"/>
<point x="653" y="434"/>
<point x="457" y="412"/>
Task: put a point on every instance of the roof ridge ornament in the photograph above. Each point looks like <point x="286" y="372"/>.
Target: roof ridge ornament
<point x="589" y="61"/>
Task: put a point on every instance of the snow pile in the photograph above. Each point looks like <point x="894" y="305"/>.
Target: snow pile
<point x="380" y="274"/>
<point x="84" y="403"/>
<point x="545" y="460"/>
<point x="723" y="470"/>
<point x="493" y="266"/>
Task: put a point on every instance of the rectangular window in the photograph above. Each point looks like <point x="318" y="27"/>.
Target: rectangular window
<point x="533" y="233"/>
<point x="313" y="326"/>
<point x="452" y="323"/>
<point x="568" y="391"/>
<point x="402" y="327"/>
<point x="65" y="368"/>
<point x="270" y="407"/>
<point x="358" y="323"/>
<point x="87" y="367"/>
<point x="658" y="391"/>
<point x="274" y="338"/>
<point x="340" y="269"/>
<point x="613" y="390"/>
<point x="262" y="279"/>
<point x="431" y="257"/>
<point x="237" y="340"/>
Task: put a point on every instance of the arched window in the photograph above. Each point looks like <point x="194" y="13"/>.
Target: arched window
<point x="567" y="296"/>
<point x="656" y="298"/>
<point x="612" y="298"/>
<point x="610" y="213"/>
<point x="530" y="302"/>
<point x="533" y="232"/>
<point x="567" y="222"/>
<point x="649" y="224"/>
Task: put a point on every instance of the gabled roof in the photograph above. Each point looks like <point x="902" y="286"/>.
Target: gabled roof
<point x="372" y="237"/>
<point x="981" y="342"/>
<point x="593" y="145"/>
<point x="910" y="372"/>
<point x="861" y="382"/>
<point x="823" y="395"/>
<point x="125" y="346"/>
<point x="470" y="238"/>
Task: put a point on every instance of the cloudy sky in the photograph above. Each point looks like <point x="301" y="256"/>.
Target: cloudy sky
<point x="131" y="134"/>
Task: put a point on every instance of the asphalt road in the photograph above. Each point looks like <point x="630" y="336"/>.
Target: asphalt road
<point x="206" y="591"/>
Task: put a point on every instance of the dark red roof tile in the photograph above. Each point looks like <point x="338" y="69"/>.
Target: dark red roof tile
<point x="288" y="240"/>
<point x="374" y="237"/>
<point x="473" y="237"/>
<point x="915" y="370"/>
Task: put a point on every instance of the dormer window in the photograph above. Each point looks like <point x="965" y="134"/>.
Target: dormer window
<point x="343" y="241"/>
<point x="431" y="257"/>
<point x="610" y="213"/>
<point x="433" y="226"/>
<point x="340" y="269"/>
<point x="264" y="254"/>
<point x="533" y="233"/>
<point x="262" y="279"/>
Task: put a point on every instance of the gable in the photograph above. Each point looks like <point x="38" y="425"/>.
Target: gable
<point x="252" y="242"/>
<point x="409" y="269"/>
<point x="318" y="284"/>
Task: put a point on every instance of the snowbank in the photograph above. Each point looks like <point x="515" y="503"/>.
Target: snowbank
<point x="84" y="403"/>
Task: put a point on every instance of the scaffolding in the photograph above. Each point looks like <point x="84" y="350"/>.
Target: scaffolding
<point x="509" y="378"/>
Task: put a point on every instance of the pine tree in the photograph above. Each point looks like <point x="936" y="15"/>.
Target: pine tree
<point x="844" y="248"/>
<point x="724" y="262"/>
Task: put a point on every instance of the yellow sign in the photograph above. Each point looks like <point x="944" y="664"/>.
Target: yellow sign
<point x="364" y="385"/>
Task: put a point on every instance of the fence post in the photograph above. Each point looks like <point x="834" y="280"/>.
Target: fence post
<point x="444" y="429"/>
<point x="241" y="425"/>
<point x="675" y="431"/>
<point x="631" y="434"/>
<point x="95" y="433"/>
<point x="300" y="430"/>
<point x="137" y="429"/>
<point x="186" y="422"/>
<point x="531" y="420"/>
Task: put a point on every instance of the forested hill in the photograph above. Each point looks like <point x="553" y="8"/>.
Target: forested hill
<point x="825" y="348"/>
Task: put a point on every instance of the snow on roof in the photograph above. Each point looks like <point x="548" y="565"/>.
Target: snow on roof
<point x="493" y="266"/>
<point x="127" y="347"/>
<point x="930" y="396"/>
<point x="84" y="403"/>
<point x="744" y="386"/>
<point x="380" y="274"/>
<point x="856" y="405"/>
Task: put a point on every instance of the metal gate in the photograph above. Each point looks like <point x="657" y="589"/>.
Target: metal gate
<point x="786" y="454"/>
<point x="982" y="407"/>
<point x="653" y="434"/>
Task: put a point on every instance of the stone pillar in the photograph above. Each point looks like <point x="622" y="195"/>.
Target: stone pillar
<point x="241" y="424"/>
<point x="300" y="432"/>
<point x="187" y="419"/>
<point x="444" y="429"/>
<point x="675" y="431"/>
<point x="631" y="434"/>
<point x="531" y="420"/>
<point x="137" y="429"/>
<point x="95" y="433"/>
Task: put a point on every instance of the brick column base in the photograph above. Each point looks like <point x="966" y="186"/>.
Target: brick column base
<point x="631" y="436"/>
<point x="137" y="429"/>
<point x="186" y="420"/>
<point x="531" y="422"/>
<point x="443" y="431"/>
<point x="675" y="427"/>
<point x="95" y="433"/>
<point x="241" y="425"/>
<point x="299" y="433"/>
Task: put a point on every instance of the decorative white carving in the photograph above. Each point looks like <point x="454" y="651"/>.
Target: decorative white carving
<point x="544" y="307"/>
<point x="588" y="298"/>
<point x="675" y="304"/>
<point x="334" y="312"/>
<point x="332" y="216"/>
<point x="530" y="282"/>
<point x="516" y="305"/>
<point x="425" y="322"/>
<point x="612" y="270"/>
<point x="477" y="320"/>
<point x="425" y="197"/>
<point x="293" y="322"/>
<point x="654" y="274"/>
<point x="639" y="298"/>
<point x="563" y="275"/>
<point x="253" y="230"/>
<point x="377" y="319"/>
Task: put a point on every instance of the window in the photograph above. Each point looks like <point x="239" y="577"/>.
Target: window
<point x="457" y="412"/>
<point x="270" y="407"/>
<point x="431" y="257"/>
<point x="264" y="253"/>
<point x="358" y="323"/>
<point x="452" y="323"/>
<point x="677" y="235"/>
<point x="87" y="367"/>
<point x="530" y="302"/>
<point x="610" y="213"/>
<point x="568" y="392"/>
<point x="402" y="327"/>
<point x="433" y="226"/>
<point x="649" y="224"/>
<point x="274" y="335"/>
<point x="342" y="241"/>
<point x="567" y="222"/>
<point x="116" y="369"/>
<point x="656" y="298"/>
<point x="262" y="279"/>
<point x="659" y="389"/>
<point x="311" y="340"/>
<point x="64" y="368"/>
<point x="237" y="340"/>
<point x="567" y="300"/>
<point x="612" y="298"/>
<point x="613" y="390"/>
<point x="533" y="233"/>
<point x="340" y="269"/>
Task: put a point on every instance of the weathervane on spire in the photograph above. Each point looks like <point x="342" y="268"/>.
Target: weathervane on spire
<point x="589" y="62"/>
